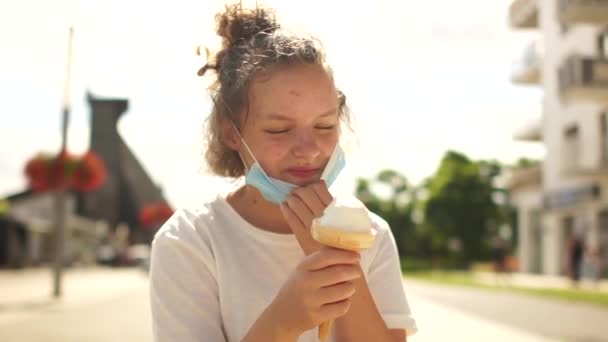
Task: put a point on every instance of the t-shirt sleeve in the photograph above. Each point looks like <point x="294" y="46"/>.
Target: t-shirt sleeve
<point x="386" y="283"/>
<point x="183" y="289"/>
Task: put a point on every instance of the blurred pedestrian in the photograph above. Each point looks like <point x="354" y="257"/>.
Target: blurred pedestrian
<point x="575" y="249"/>
<point x="500" y="255"/>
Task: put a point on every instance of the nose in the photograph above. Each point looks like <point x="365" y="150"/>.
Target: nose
<point x="306" y="146"/>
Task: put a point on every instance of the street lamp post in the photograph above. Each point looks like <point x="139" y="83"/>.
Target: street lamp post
<point x="61" y="191"/>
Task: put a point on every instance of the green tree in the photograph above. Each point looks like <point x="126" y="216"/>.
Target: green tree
<point x="460" y="213"/>
<point x="396" y="209"/>
<point x="526" y="162"/>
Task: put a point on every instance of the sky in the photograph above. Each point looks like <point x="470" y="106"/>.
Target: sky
<point x="421" y="77"/>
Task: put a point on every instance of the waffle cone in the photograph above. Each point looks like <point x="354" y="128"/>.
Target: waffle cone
<point x="334" y="237"/>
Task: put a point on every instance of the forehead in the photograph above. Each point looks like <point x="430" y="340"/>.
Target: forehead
<point x="292" y="91"/>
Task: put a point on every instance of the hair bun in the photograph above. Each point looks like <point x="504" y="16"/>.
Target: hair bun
<point x="237" y="23"/>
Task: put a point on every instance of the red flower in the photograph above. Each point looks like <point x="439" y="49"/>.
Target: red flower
<point x="61" y="168"/>
<point x="155" y="214"/>
<point x="45" y="173"/>
<point x="37" y="171"/>
<point x="89" y="174"/>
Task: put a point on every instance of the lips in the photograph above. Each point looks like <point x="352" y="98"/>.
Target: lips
<point x="303" y="172"/>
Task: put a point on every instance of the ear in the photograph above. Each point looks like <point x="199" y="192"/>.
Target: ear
<point x="229" y="136"/>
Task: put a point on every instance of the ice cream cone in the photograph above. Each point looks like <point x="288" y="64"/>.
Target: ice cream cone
<point x="333" y="237"/>
<point x="344" y="225"/>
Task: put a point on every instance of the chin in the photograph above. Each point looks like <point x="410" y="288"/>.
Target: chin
<point x="302" y="182"/>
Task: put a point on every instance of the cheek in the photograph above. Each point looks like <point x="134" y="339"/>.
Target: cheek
<point x="328" y="143"/>
<point x="275" y="149"/>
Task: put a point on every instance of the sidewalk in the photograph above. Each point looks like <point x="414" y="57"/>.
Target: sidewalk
<point x="98" y="304"/>
<point x="453" y="313"/>
<point x="538" y="281"/>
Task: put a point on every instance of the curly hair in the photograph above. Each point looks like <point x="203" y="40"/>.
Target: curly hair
<point x="252" y="41"/>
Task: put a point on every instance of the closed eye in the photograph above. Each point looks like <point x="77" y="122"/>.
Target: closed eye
<point x="278" y="131"/>
<point x="326" y="127"/>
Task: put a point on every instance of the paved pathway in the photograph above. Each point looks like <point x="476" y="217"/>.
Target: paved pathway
<point x="479" y="315"/>
<point x="112" y="305"/>
<point x="98" y="305"/>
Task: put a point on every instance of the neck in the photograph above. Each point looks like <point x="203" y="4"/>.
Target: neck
<point x="255" y="209"/>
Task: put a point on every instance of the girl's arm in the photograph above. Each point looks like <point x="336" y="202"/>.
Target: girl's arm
<point x="266" y="329"/>
<point x="364" y="313"/>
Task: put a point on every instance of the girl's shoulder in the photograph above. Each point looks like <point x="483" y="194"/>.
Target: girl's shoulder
<point x="379" y="223"/>
<point x="185" y="240"/>
<point x="191" y="226"/>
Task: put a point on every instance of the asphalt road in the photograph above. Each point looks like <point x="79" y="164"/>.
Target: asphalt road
<point x="112" y="305"/>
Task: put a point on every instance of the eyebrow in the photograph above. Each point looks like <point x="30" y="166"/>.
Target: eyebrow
<point x="274" y="116"/>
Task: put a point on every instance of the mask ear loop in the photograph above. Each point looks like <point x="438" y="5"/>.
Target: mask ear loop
<point x="332" y="160"/>
<point x="248" y="150"/>
<point x="240" y="137"/>
<point x="244" y="143"/>
<point x="250" y="153"/>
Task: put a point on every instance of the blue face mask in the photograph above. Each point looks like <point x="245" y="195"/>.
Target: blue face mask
<point x="276" y="190"/>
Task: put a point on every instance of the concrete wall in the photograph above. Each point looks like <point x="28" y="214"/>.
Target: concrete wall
<point x="527" y="200"/>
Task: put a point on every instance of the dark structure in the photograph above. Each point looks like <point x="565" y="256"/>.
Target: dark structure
<point x="128" y="187"/>
<point x="13" y="237"/>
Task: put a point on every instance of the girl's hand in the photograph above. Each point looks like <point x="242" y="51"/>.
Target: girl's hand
<point x="318" y="290"/>
<point x="302" y="206"/>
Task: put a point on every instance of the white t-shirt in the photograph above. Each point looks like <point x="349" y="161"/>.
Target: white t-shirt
<point x="212" y="274"/>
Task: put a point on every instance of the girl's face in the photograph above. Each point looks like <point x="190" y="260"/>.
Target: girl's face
<point x="292" y="126"/>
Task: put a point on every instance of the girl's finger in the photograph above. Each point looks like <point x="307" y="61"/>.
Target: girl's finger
<point x="301" y="210"/>
<point x="335" y="293"/>
<point x="322" y="192"/>
<point x="302" y="234"/>
<point x="292" y="220"/>
<point x="309" y="196"/>
<point x="335" y="274"/>
<point x="335" y="310"/>
<point x="331" y="256"/>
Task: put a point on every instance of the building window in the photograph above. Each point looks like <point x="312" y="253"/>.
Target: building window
<point x="570" y="149"/>
<point x="603" y="44"/>
<point x="564" y="28"/>
<point x="572" y="132"/>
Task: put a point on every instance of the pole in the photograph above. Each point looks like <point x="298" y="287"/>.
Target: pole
<point x="61" y="192"/>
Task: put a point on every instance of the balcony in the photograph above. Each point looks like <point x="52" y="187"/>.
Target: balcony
<point x="528" y="69"/>
<point x="530" y="132"/>
<point x="524" y="14"/>
<point x="530" y="176"/>
<point x="583" y="11"/>
<point x="584" y="79"/>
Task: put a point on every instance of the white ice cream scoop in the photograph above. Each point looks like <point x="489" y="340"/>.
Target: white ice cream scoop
<point x="345" y="224"/>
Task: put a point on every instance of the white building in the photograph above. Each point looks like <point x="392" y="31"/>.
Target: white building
<point x="569" y="192"/>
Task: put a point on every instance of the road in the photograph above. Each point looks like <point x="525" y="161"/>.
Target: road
<point x="112" y="305"/>
<point x="454" y="313"/>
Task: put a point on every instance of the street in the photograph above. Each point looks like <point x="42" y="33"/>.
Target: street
<point x="112" y="305"/>
<point x="464" y="314"/>
<point x="98" y="305"/>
